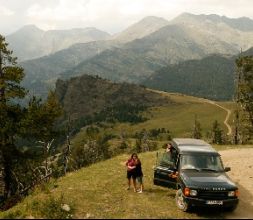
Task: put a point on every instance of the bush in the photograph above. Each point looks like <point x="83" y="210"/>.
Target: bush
<point x="53" y="208"/>
<point x="49" y="208"/>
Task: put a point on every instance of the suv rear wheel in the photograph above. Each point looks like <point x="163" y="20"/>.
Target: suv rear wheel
<point x="181" y="204"/>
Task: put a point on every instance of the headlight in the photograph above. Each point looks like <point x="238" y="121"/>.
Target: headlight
<point x="193" y="192"/>
<point x="190" y="192"/>
<point x="231" y="193"/>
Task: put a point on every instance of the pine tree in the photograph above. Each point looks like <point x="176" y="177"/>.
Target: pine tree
<point x="10" y="113"/>
<point x="217" y="133"/>
<point x="36" y="122"/>
<point x="39" y="120"/>
<point x="197" y="129"/>
<point x="244" y="93"/>
<point x="138" y="145"/>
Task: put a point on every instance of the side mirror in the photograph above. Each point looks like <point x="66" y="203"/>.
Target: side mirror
<point x="227" y="169"/>
<point x="174" y="168"/>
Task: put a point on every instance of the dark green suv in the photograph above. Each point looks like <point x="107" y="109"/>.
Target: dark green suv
<point x="195" y="169"/>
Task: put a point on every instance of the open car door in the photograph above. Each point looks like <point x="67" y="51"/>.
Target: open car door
<point x="163" y="169"/>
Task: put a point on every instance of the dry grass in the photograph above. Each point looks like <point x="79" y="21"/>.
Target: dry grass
<point x="99" y="191"/>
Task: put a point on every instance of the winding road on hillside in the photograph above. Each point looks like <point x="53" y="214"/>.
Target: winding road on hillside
<point x="228" y="111"/>
<point x="227" y="116"/>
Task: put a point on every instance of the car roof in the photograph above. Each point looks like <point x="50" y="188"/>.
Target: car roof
<point x="191" y="145"/>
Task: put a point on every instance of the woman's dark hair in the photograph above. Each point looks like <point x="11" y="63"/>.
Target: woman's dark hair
<point x="134" y="154"/>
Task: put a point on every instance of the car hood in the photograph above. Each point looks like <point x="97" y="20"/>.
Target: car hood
<point x="207" y="180"/>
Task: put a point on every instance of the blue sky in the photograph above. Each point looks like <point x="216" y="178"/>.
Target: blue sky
<point x="108" y="15"/>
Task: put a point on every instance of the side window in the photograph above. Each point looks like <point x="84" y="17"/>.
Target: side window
<point x="166" y="159"/>
<point x="169" y="159"/>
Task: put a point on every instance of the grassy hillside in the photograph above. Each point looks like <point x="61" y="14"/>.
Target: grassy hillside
<point x="178" y="117"/>
<point x="99" y="191"/>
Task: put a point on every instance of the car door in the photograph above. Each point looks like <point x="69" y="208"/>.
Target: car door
<point x="165" y="166"/>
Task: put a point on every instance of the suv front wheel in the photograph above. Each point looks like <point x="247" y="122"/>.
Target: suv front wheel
<point x="181" y="204"/>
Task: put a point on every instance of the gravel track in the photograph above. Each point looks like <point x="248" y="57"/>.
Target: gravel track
<point x="241" y="163"/>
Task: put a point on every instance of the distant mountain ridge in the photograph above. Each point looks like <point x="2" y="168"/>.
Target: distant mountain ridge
<point x="31" y="42"/>
<point x="241" y="23"/>
<point x="187" y="37"/>
<point x="140" y="58"/>
<point x="212" y="77"/>
<point x="235" y="32"/>
<point x="42" y="73"/>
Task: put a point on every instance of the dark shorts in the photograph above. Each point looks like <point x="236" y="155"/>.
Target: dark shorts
<point x="131" y="174"/>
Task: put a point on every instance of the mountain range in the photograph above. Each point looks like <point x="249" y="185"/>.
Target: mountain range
<point x="31" y="42"/>
<point x="144" y="50"/>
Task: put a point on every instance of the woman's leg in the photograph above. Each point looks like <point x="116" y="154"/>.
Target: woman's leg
<point x="142" y="186"/>
<point x="128" y="180"/>
<point x="128" y="183"/>
<point x="134" y="183"/>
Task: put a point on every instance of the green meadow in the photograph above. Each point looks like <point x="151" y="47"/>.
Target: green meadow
<point x="179" y="116"/>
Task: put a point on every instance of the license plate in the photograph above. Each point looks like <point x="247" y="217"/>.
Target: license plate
<point x="214" y="202"/>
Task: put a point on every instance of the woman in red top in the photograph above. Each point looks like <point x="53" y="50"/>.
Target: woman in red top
<point x="131" y="170"/>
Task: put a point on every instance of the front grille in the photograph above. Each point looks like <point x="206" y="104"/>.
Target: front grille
<point x="213" y="195"/>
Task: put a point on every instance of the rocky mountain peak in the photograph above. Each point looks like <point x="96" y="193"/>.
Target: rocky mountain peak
<point x="141" y="29"/>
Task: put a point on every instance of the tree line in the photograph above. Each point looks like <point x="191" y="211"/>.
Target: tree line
<point x="22" y="127"/>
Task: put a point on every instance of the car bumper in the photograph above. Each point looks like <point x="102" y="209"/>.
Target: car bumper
<point x="220" y="203"/>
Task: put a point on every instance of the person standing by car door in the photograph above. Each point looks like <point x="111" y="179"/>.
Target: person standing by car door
<point x="172" y="157"/>
<point x="171" y="154"/>
<point x="131" y="171"/>
<point x="168" y="147"/>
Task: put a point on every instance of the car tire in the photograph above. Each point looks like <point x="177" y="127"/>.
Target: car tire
<point x="180" y="201"/>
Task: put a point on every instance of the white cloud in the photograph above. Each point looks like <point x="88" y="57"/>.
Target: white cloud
<point x="65" y="10"/>
<point x="5" y="11"/>
<point x="111" y="15"/>
<point x="108" y="14"/>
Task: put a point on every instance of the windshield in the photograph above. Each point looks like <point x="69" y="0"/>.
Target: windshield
<point x="201" y="162"/>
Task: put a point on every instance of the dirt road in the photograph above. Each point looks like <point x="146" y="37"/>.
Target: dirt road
<point x="227" y="116"/>
<point x="241" y="163"/>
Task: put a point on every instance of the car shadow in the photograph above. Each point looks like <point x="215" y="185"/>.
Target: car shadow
<point x="243" y="210"/>
<point x="245" y="206"/>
